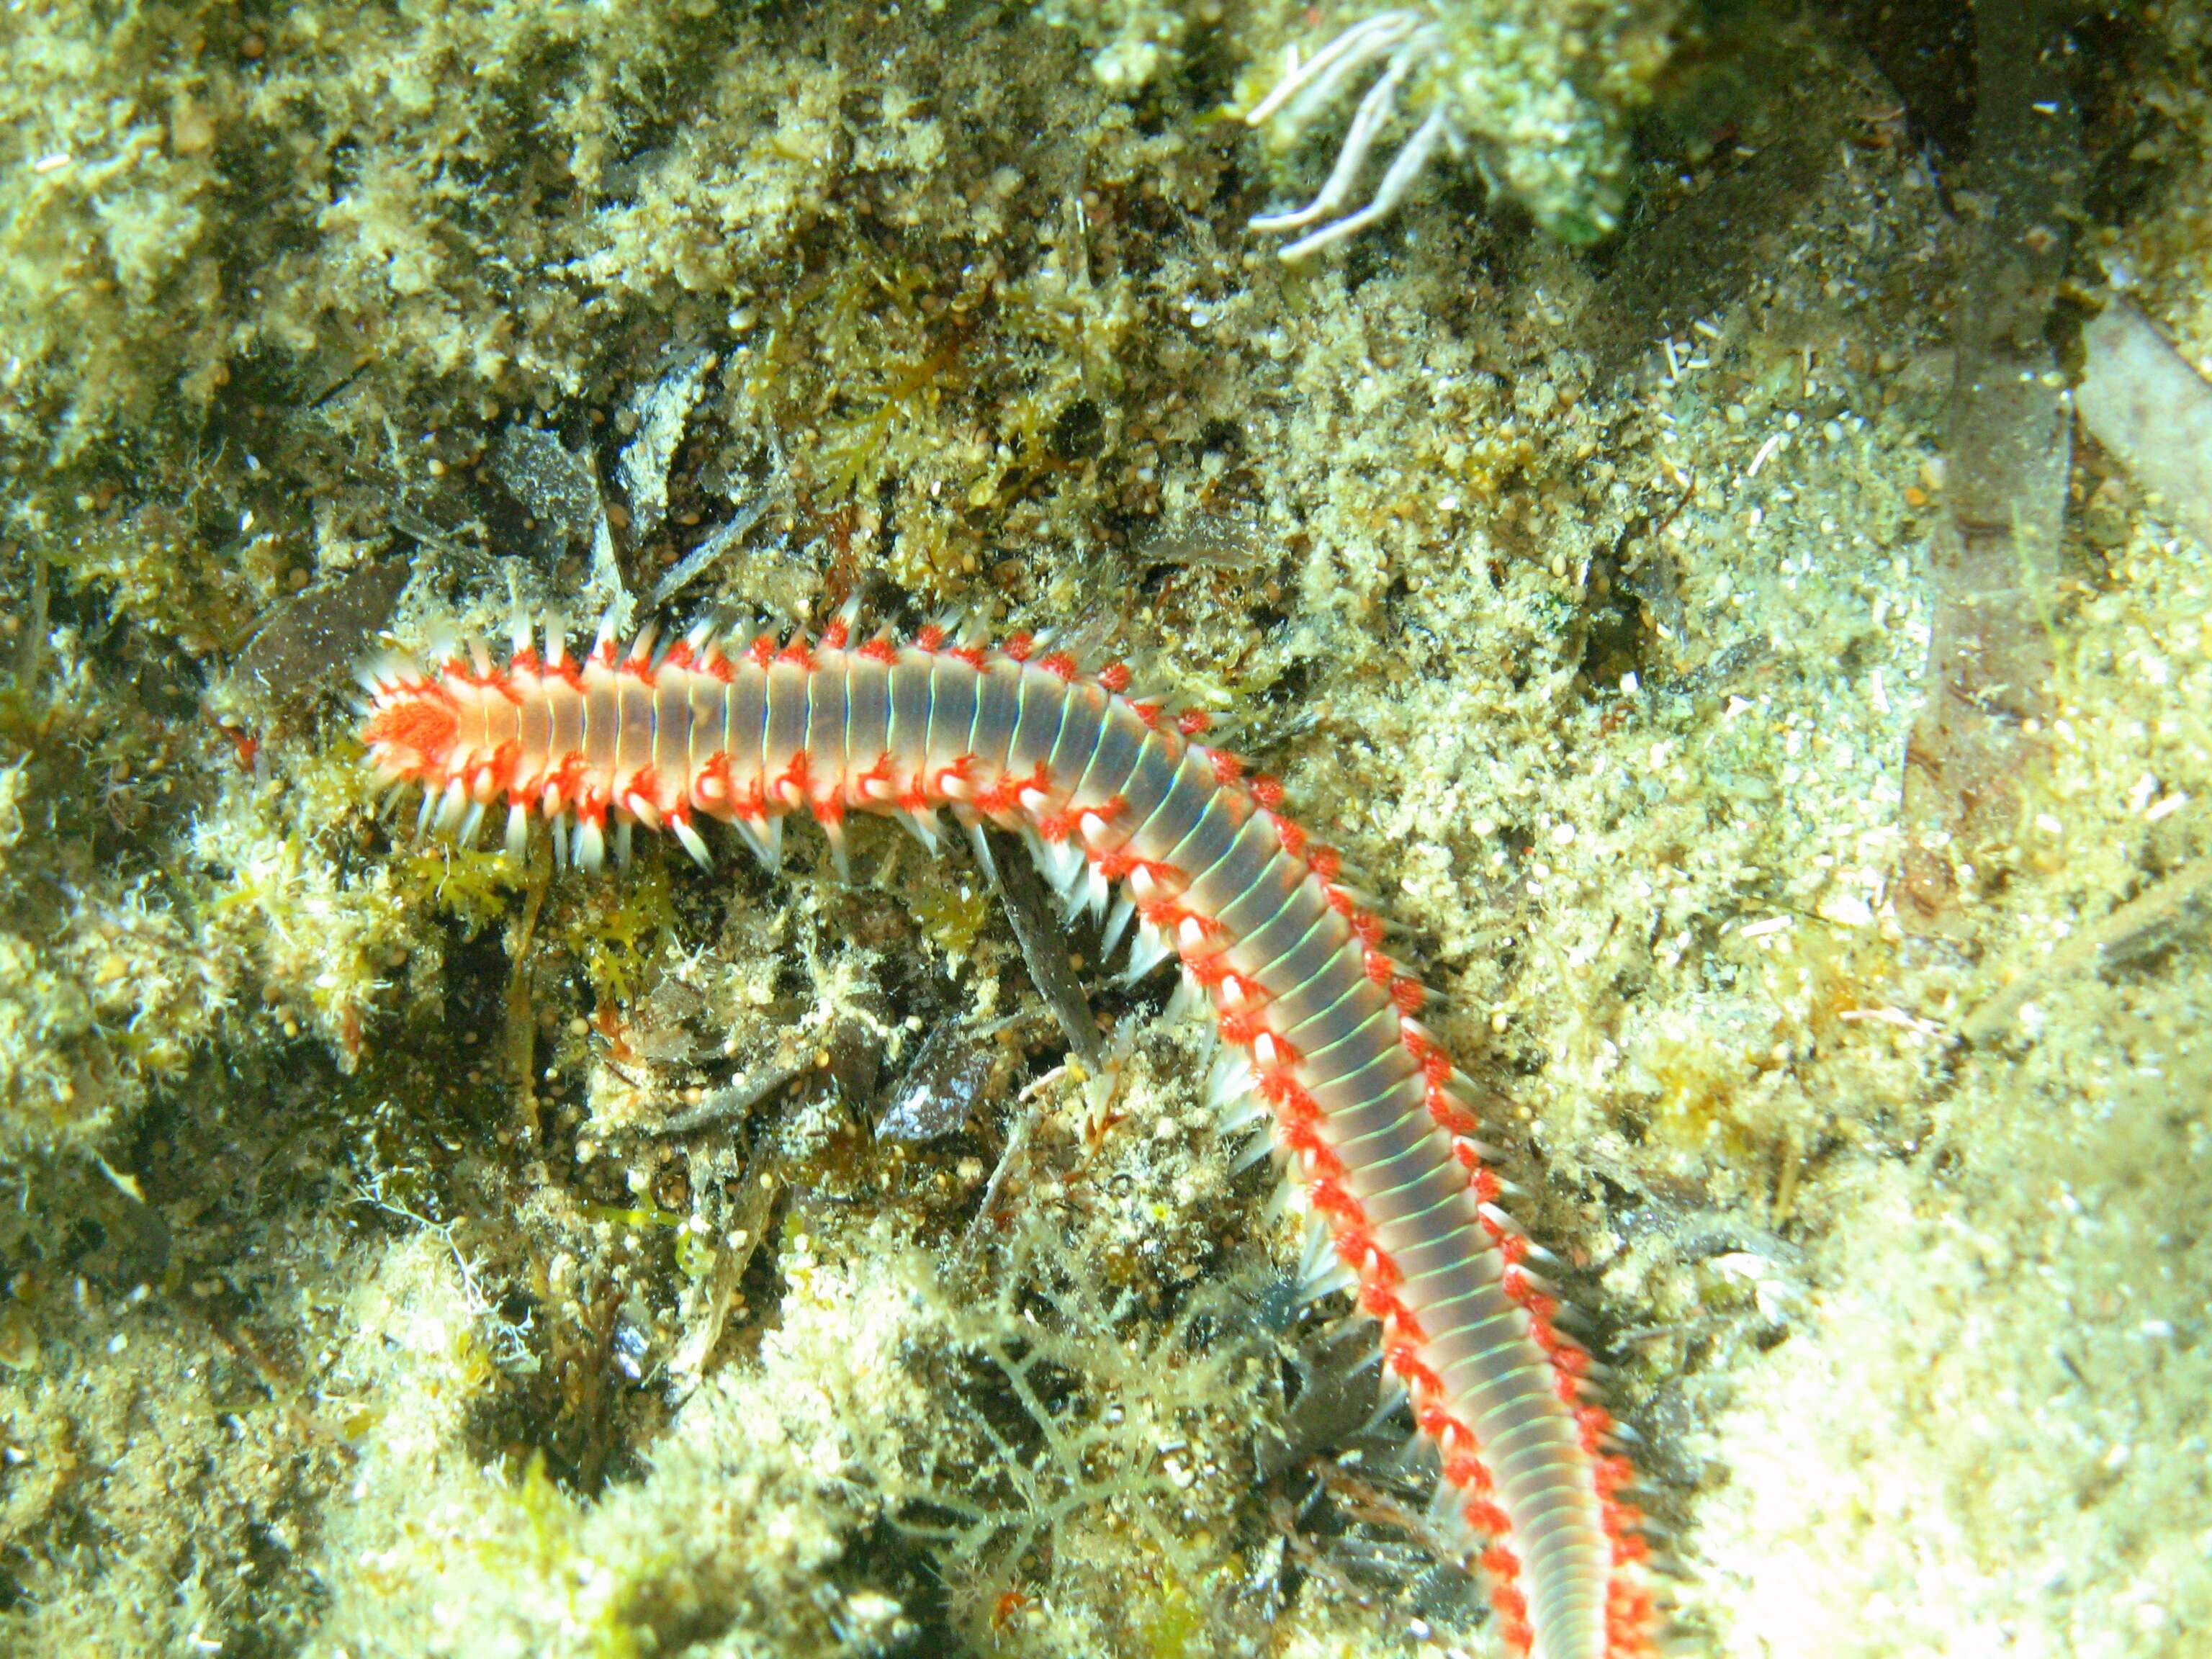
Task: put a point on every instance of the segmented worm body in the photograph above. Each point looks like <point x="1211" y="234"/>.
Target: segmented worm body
<point x="1320" y="1025"/>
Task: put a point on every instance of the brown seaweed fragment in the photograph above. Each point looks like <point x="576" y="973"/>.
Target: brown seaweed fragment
<point x="1994" y="556"/>
<point x="2143" y="401"/>
<point x="1043" y="940"/>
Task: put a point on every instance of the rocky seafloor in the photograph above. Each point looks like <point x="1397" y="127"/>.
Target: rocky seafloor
<point x="410" y="1252"/>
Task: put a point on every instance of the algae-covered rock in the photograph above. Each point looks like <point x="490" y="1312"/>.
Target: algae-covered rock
<point x="404" y="1249"/>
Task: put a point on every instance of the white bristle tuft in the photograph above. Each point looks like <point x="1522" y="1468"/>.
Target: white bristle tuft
<point x="591" y="849"/>
<point x="1062" y="863"/>
<point x="1241" y="1114"/>
<point x="1188" y="998"/>
<point x="1117" y="923"/>
<point x="841" y="857"/>
<point x="972" y="827"/>
<point x="923" y="823"/>
<point x="1069" y="869"/>
<point x="1229" y="1080"/>
<point x="1147" y="951"/>
<point x="1257" y="1153"/>
<point x="689" y="837"/>
<point x="1320" y="1272"/>
<point x="452" y="802"/>
<point x="1389" y="1394"/>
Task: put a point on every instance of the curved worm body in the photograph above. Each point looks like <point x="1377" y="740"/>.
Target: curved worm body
<point x="1369" y="1118"/>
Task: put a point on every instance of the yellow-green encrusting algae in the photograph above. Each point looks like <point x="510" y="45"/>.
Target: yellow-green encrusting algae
<point x="405" y="1253"/>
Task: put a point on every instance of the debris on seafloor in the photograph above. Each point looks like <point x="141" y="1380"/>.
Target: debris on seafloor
<point x="740" y="1095"/>
<point x="2152" y="410"/>
<point x="2154" y="918"/>
<point x="744" y="1229"/>
<point x="560" y="488"/>
<point x="308" y="637"/>
<point x="557" y="487"/>
<point x="719" y="542"/>
<point x="1043" y="940"/>
<point x="656" y="414"/>
<point x="1993" y="563"/>
<point x="939" y="1091"/>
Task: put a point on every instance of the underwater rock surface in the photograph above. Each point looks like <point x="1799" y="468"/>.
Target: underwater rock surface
<point x="406" y="1252"/>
